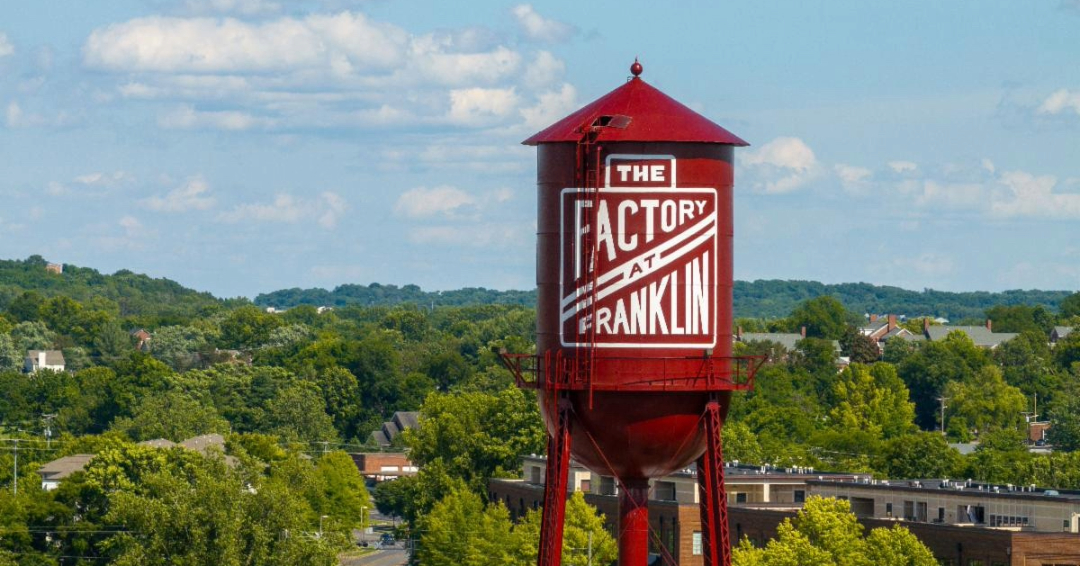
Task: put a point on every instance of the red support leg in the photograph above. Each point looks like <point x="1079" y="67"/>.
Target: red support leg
<point x="716" y="545"/>
<point x="558" y="470"/>
<point x="634" y="523"/>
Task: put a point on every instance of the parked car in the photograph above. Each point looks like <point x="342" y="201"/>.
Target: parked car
<point x="386" y="539"/>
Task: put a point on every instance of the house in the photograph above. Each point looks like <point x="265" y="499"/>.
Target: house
<point x="982" y="336"/>
<point x="37" y="360"/>
<point x="881" y="329"/>
<point x="57" y="268"/>
<point x="395" y="426"/>
<point x="381" y="466"/>
<point x="788" y="340"/>
<point x="1059" y="333"/>
<point x="57" y="470"/>
<point x="141" y="338"/>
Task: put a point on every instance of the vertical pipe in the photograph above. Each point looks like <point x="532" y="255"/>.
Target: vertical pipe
<point x="634" y="523"/>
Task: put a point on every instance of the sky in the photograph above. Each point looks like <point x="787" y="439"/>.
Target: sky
<point x="245" y="146"/>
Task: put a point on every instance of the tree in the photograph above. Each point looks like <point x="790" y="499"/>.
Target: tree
<point x="823" y="317"/>
<point x="477" y="435"/>
<point x="986" y="401"/>
<point x="173" y="415"/>
<point x="112" y="343"/>
<point x="919" y="455"/>
<point x="1064" y="413"/>
<point x="179" y="346"/>
<point x="582" y="523"/>
<point x="932" y="365"/>
<point x="297" y="413"/>
<point x="11" y="359"/>
<point x="460" y="531"/>
<point x="180" y="507"/>
<point x="872" y="399"/>
<point x="826" y="532"/>
<point x="858" y="347"/>
<point x="32" y="335"/>
<point x="248" y="327"/>
<point x="1070" y="306"/>
<point x="342" y="494"/>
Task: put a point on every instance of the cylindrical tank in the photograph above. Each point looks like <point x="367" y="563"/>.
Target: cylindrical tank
<point x="634" y="277"/>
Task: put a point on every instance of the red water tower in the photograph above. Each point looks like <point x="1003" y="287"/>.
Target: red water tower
<point x="634" y="275"/>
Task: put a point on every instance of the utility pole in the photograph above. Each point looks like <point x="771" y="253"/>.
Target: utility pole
<point x="590" y="549"/>
<point x="942" y="400"/>
<point x="16" y="474"/>
<point x="48" y="417"/>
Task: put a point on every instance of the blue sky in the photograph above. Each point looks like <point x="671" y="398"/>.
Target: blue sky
<point x="244" y="146"/>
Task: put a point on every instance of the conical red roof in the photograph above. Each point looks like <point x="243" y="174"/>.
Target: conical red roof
<point x="653" y="117"/>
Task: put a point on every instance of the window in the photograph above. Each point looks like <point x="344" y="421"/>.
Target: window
<point x="800" y="496"/>
<point x="697" y="544"/>
<point x="740" y="498"/>
<point x="534" y="475"/>
<point x="586" y="486"/>
<point x="607" y="485"/>
<point x="941" y="514"/>
<point x="909" y="510"/>
<point x="888" y="509"/>
<point x="664" y="490"/>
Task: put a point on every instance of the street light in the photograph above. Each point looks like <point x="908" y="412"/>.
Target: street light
<point x="321" y="518"/>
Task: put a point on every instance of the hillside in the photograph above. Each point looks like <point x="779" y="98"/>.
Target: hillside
<point x="776" y="298"/>
<point x="140" y="295"/>
<point x="134" y="294"/>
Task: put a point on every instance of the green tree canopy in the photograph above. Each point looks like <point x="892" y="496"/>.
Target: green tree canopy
<point x="826" y="532"/>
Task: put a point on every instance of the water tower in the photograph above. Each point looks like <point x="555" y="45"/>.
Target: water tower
<point x="634" y="274"/>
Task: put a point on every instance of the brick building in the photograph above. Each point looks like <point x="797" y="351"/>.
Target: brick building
<point x="963" y="523"/>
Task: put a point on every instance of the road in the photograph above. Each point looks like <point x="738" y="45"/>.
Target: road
<point x="388" y="557"/>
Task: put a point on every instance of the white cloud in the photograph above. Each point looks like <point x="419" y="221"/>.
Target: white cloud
<point x="853" y="178"/>
<point x="188" y="118"/>
<point x="133" y="235"/>
<point x="544" y="71"/>
<point x="191" y="195"/>
<point x="481" y="106"/>
<point x="106" y="180"/>
<point x="952" y="195"/>
<point x="1033" y="196"/>
<point x="550" y="107"/>
<point x="1060" y="101"/>
<point x="539" y="28"/>
<point x="14" y="115"/>
<point x="325" y="210"/>
<point x="245" y="7"/>
<point x="329" y="71"/>
<point x="422" y="202"/>
<point x="988" y="165"/>
<point x="902" y="166"/>
<point x="206" y="45"/>
<point x="782" y="165"/>
<point x="6" y="48"/>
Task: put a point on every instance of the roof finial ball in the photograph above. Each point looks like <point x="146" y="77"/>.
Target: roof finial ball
<point x="636" y="68"/>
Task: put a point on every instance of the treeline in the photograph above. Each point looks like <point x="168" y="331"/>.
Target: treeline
<point x="776" y="298"/>
<point x="757" y="299"/>
<point x="390" y="295"/>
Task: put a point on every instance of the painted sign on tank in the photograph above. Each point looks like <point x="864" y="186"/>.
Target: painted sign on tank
<point x="639" y="256"/>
